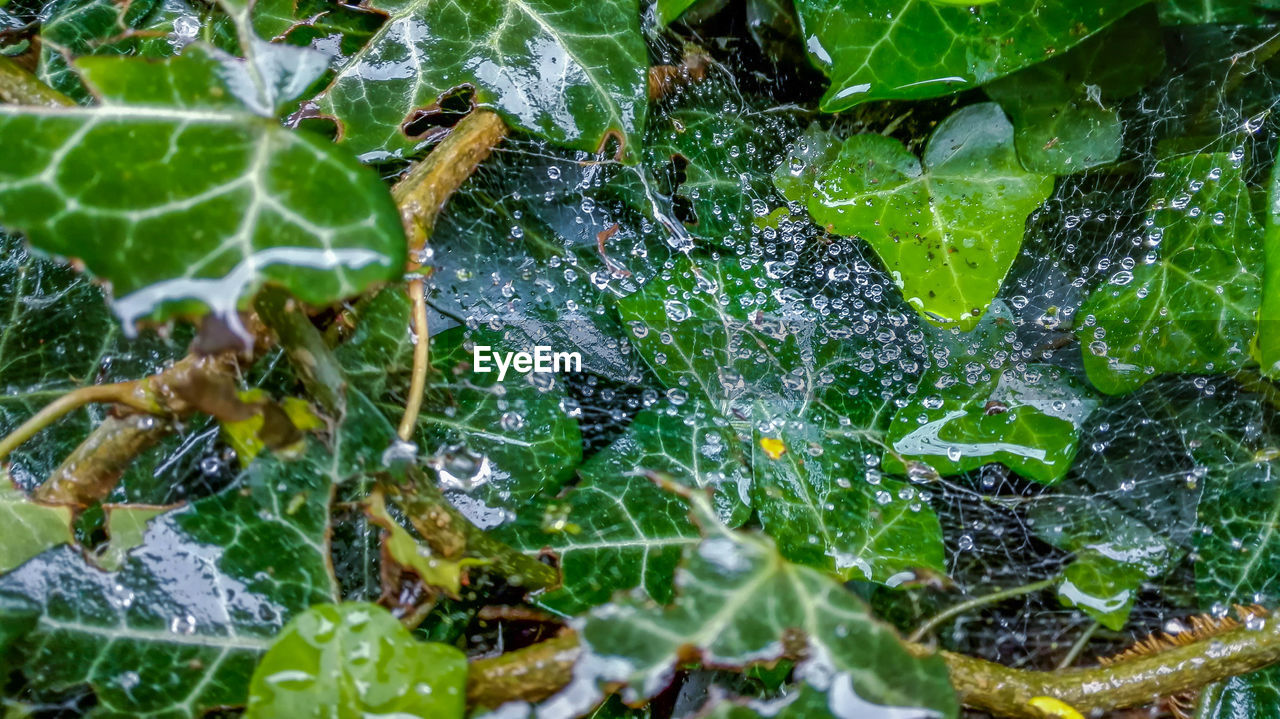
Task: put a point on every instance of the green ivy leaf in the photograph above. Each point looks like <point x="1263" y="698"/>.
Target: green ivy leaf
<point x="1115" y="554"/>
<point x="669" y="10"/>
<point x="822" y="505"/>
<point x="58" y="335"/>
<point x="173" y="149"/>
<point x="1027" y="420"/>
<point x="1240" y="557"/>
<point x="145" y="28"/>
<point x="724" y="148"/>
<point x="947" y="229"/>
<point x="30" y="527"/>
<point x="1064" y="109"/>
<point x="737" y="604"/>
<point x="908" y="49"/>
<point x="151" y="645"/>
<point x="355" y="659"/>
<point x="1193" y="307"/>
<point x="312" y="22"/>
<point x="573" y="74"/>
<point x="1268" y="349"/>
<point x="617" y="529"/>
<point x="1251" y="695"/>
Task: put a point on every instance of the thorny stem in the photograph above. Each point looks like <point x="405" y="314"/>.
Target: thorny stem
<point x="19" y="87"/>
<point x="969" y="604"/>
<point x="131" y="394"/>
<point x="994" y="688"/>
<point x="421" y="195"/>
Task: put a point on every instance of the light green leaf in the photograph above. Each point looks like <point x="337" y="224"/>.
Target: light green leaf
<point x="907" y="49"/>
<point x="736" y="602"/>
<point x="126" y="529"/>
<point x="1064" y="109"/>
<point x="1027" y="420"/>
<point x="173" y="151"/>
<point x="947" y="229"/>
<point x="355" y="659"/>
<point x="589" y="63"/>
<point x="669" y="10"/>
<point x="30" y="528"/>
<point x="1192" y="307"/>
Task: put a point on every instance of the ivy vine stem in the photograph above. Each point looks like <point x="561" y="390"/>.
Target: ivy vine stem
<point x="421" y="194"/>
<point x="130" y="394"/>
<point x="976" y="602"/>
<point x="527" y="674"/>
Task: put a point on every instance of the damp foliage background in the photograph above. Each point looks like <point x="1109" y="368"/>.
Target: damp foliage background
<point x="929" y="356"/>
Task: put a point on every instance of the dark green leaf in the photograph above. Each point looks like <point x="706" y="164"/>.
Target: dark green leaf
<point x="186" y="157"/>
<point x="1251" y="695"/>
<point x="1227" y="12"/>
<point x="573" y="73"/>
<point x="179" y="628"/>
<point x="1027" y="420"/>
<point x="736" y="602"/>
<point x="825" y="505"/>
<point x="1064" y="110"/>
<point x="1190" y="305"/>
<point x="947" y="229"/>
<point x="356" y="659"/>
<point x="907" y="49"/>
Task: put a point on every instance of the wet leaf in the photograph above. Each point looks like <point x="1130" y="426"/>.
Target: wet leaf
<point x="178" y="629"/>
<point x="126" y="529"/>
<point x="1064" y="110"/>
<point x="507" y="53"/>
<point x="739" y="603"/>
<point x="1028" y="420"/>
<point x="355" y="659"/>
<point x="145" y="28"/>
<point x="617" y="529"/>
<point x="1115" y="554"/>
<point x="948" y="228"/>
<point x="1269" y="313"/>
<point x="494" y="445"/>
<point x="910" y="49"/>
<point x="823" y="505"/>
<point x="58" y="335"/>
<point x="30" y="527"/>
<point x="1191" y="307"/>
<point x="176" y="147"/>
<point x="722" y="150"/>
<point x="1251" y="695"/>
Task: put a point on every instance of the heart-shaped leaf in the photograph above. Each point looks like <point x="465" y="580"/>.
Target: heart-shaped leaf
<point x="947" y="227"/>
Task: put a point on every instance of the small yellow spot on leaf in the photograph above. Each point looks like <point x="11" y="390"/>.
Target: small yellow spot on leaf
<point x="774" y="448"/>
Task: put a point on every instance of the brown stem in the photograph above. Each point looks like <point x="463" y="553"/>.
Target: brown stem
<point x="421" y="195"/>
<point x="90" y="472"/>
<point x="132" y="394"/>
<point x="452" y="536"/>
<point x="19" y="87"/>
<point x="530" y="674"/>
<point x="994" y="688"/>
